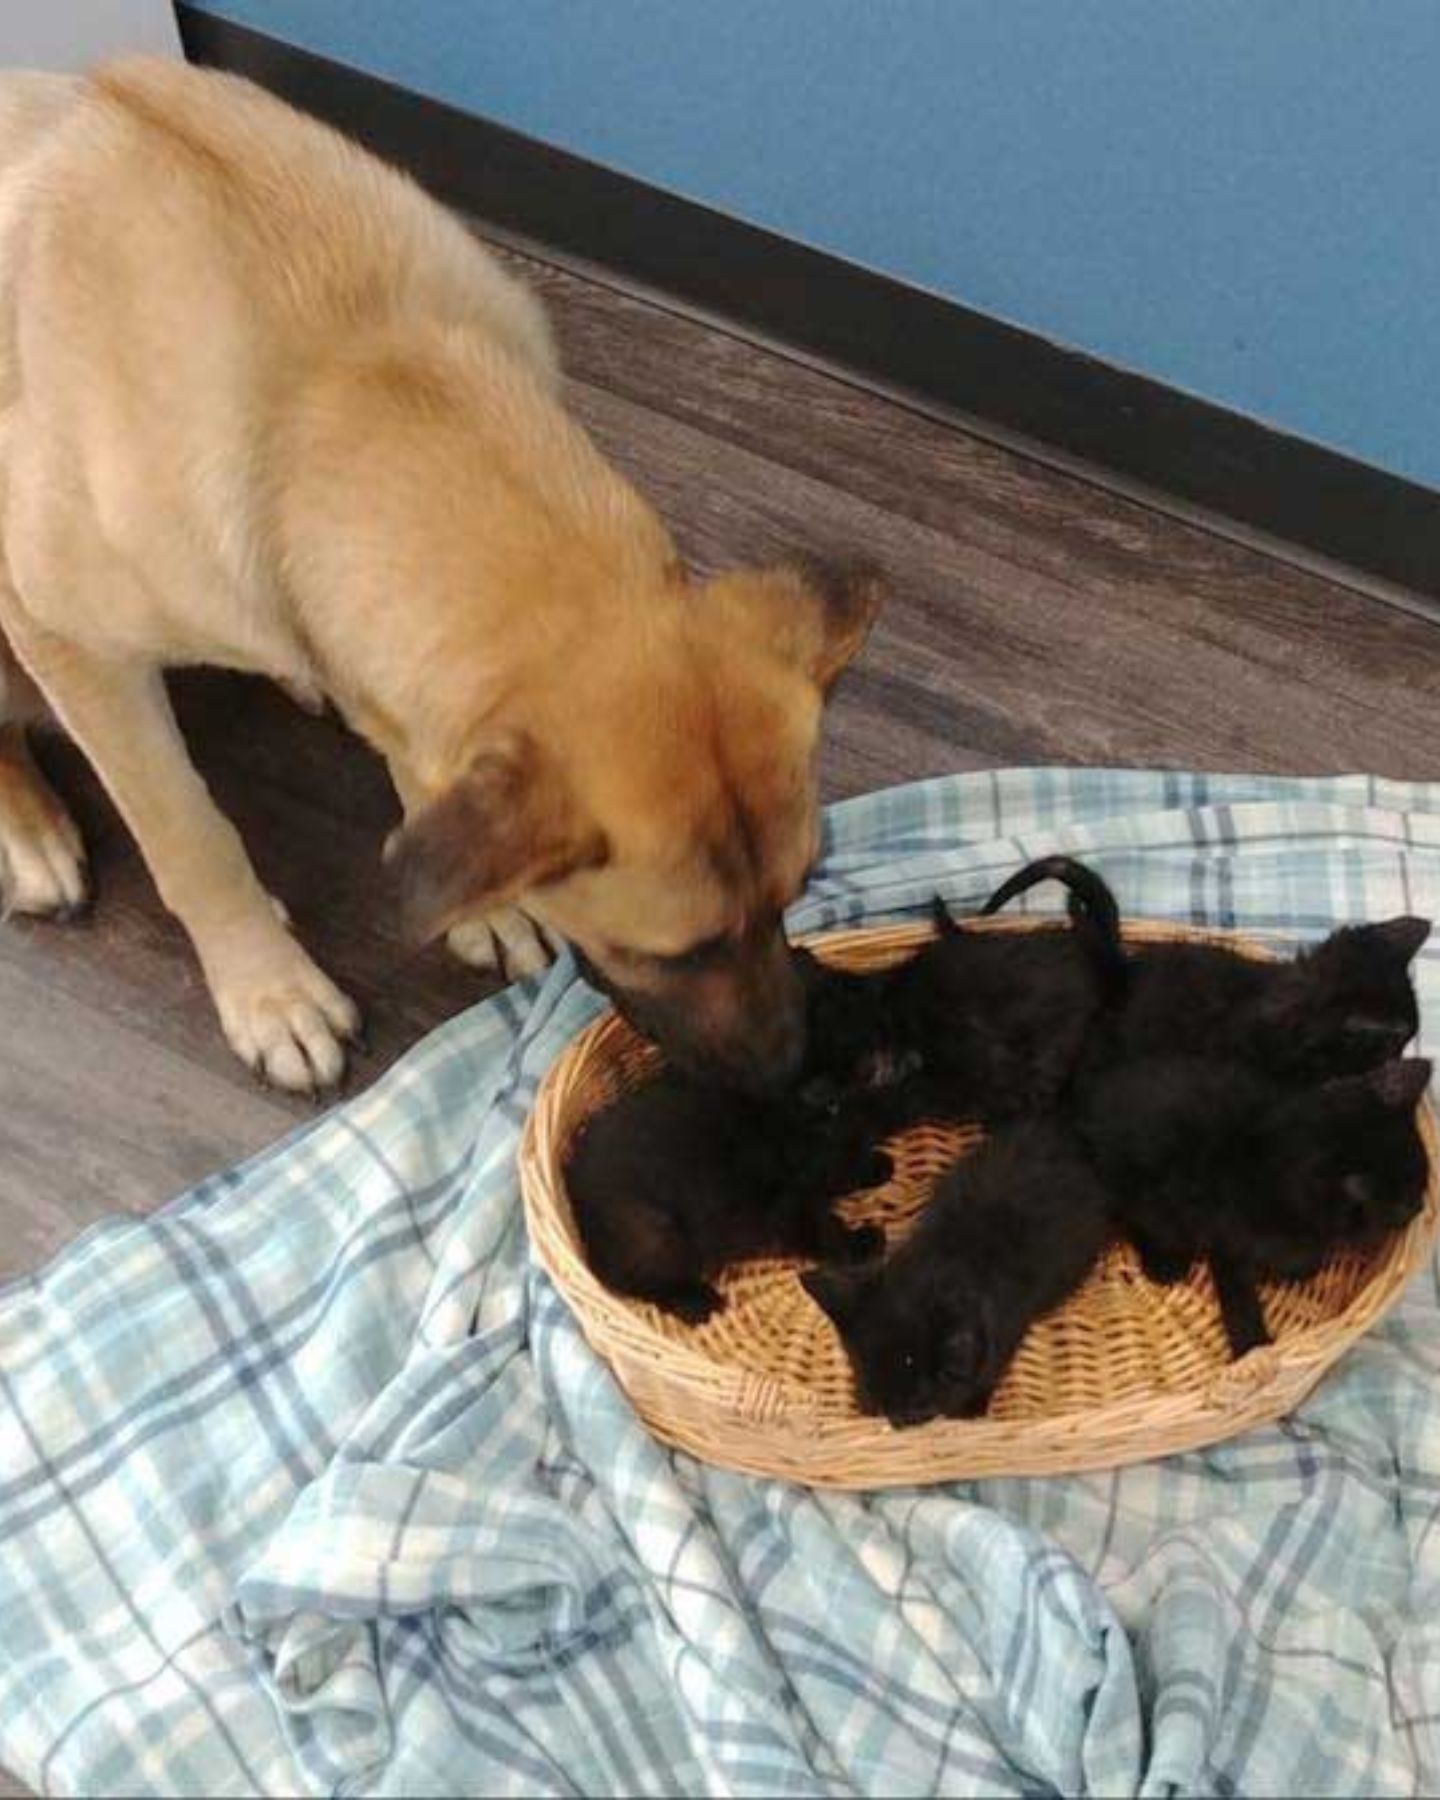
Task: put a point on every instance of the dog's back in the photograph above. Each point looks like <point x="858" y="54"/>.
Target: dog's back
<point x="185" y="245"/>
<point x="32" y="106"/>
<point x="321" y="233"/>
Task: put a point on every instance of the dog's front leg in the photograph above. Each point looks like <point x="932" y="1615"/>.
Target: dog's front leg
<point x="284" y="1017"/>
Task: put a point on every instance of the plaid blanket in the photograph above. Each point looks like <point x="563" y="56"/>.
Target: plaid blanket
<point x="309" y="1482"/>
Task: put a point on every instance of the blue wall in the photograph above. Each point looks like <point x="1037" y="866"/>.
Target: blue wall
<point x="1237" y="197"/>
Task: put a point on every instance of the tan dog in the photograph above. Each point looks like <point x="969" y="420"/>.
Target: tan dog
<point x="267" y="406"/>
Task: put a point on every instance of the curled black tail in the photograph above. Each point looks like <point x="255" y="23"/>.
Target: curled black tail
<point x="1092" y="908"/>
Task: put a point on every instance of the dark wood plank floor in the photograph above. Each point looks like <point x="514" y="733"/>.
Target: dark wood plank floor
<point x="1037" y="618"/>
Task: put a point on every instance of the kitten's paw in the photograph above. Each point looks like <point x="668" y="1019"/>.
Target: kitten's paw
<point x="867" y="1169"/>
<point x="694" y="1305"/>
<point x="1164" y="1267"/>
<point x="861" y="1244"/>
<point x="1241" y="1343"/>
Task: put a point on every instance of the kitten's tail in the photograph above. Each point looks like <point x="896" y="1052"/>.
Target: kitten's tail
<point x="1094" y="914"/>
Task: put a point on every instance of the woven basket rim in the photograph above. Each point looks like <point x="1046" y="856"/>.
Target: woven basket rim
<point x="1303" y="1355"/>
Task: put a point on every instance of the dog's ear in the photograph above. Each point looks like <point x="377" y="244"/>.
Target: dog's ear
<point x="506" y="825"/>
<point x="812" y="614"/>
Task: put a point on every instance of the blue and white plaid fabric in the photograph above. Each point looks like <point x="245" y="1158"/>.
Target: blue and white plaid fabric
<point x="309" y="1483"/>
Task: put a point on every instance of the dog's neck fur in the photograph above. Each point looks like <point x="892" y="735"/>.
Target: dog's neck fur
<point x="480" y="513"/>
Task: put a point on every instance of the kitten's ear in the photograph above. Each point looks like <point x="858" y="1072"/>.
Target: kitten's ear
<point x="840" y="1292"/>
<point x="1399" y="1085"/>
<point x="1400" y="938"/>
<point x="943" y="919"/>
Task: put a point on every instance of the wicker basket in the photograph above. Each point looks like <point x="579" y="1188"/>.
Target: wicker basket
<point x="1125" y="1371"/>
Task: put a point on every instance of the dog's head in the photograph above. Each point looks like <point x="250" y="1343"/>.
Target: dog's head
<point x="655" y="803"/>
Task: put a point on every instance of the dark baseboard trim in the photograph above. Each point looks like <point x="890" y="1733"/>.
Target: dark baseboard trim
<point x="1171" y="442"/>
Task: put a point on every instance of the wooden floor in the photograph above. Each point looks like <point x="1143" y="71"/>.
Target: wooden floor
<point x="1037" y="619"/>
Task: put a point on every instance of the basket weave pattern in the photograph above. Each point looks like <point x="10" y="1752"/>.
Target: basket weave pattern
<point x="1124" y="1371"/>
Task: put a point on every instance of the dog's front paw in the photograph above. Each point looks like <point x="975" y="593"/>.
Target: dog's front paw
<point x="284" y="1017"/>
<point x="505" y="941"/>
<point x="42" y="861"/>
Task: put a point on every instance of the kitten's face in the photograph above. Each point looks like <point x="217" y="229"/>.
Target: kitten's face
<point x="1349" y="1004"/>
<point x="1352" y="1160"/>
<point x="919" y="1348"/>
<point x="855" y="1044"/>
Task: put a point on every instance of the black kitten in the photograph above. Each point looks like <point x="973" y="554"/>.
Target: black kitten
<point x="1342" y="1007"/>
<point x="677" y="1180"/>
<point x="999" y="1019"/>
<point x="1010" y="1232"/>
<point x="1215" y="1160"/>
